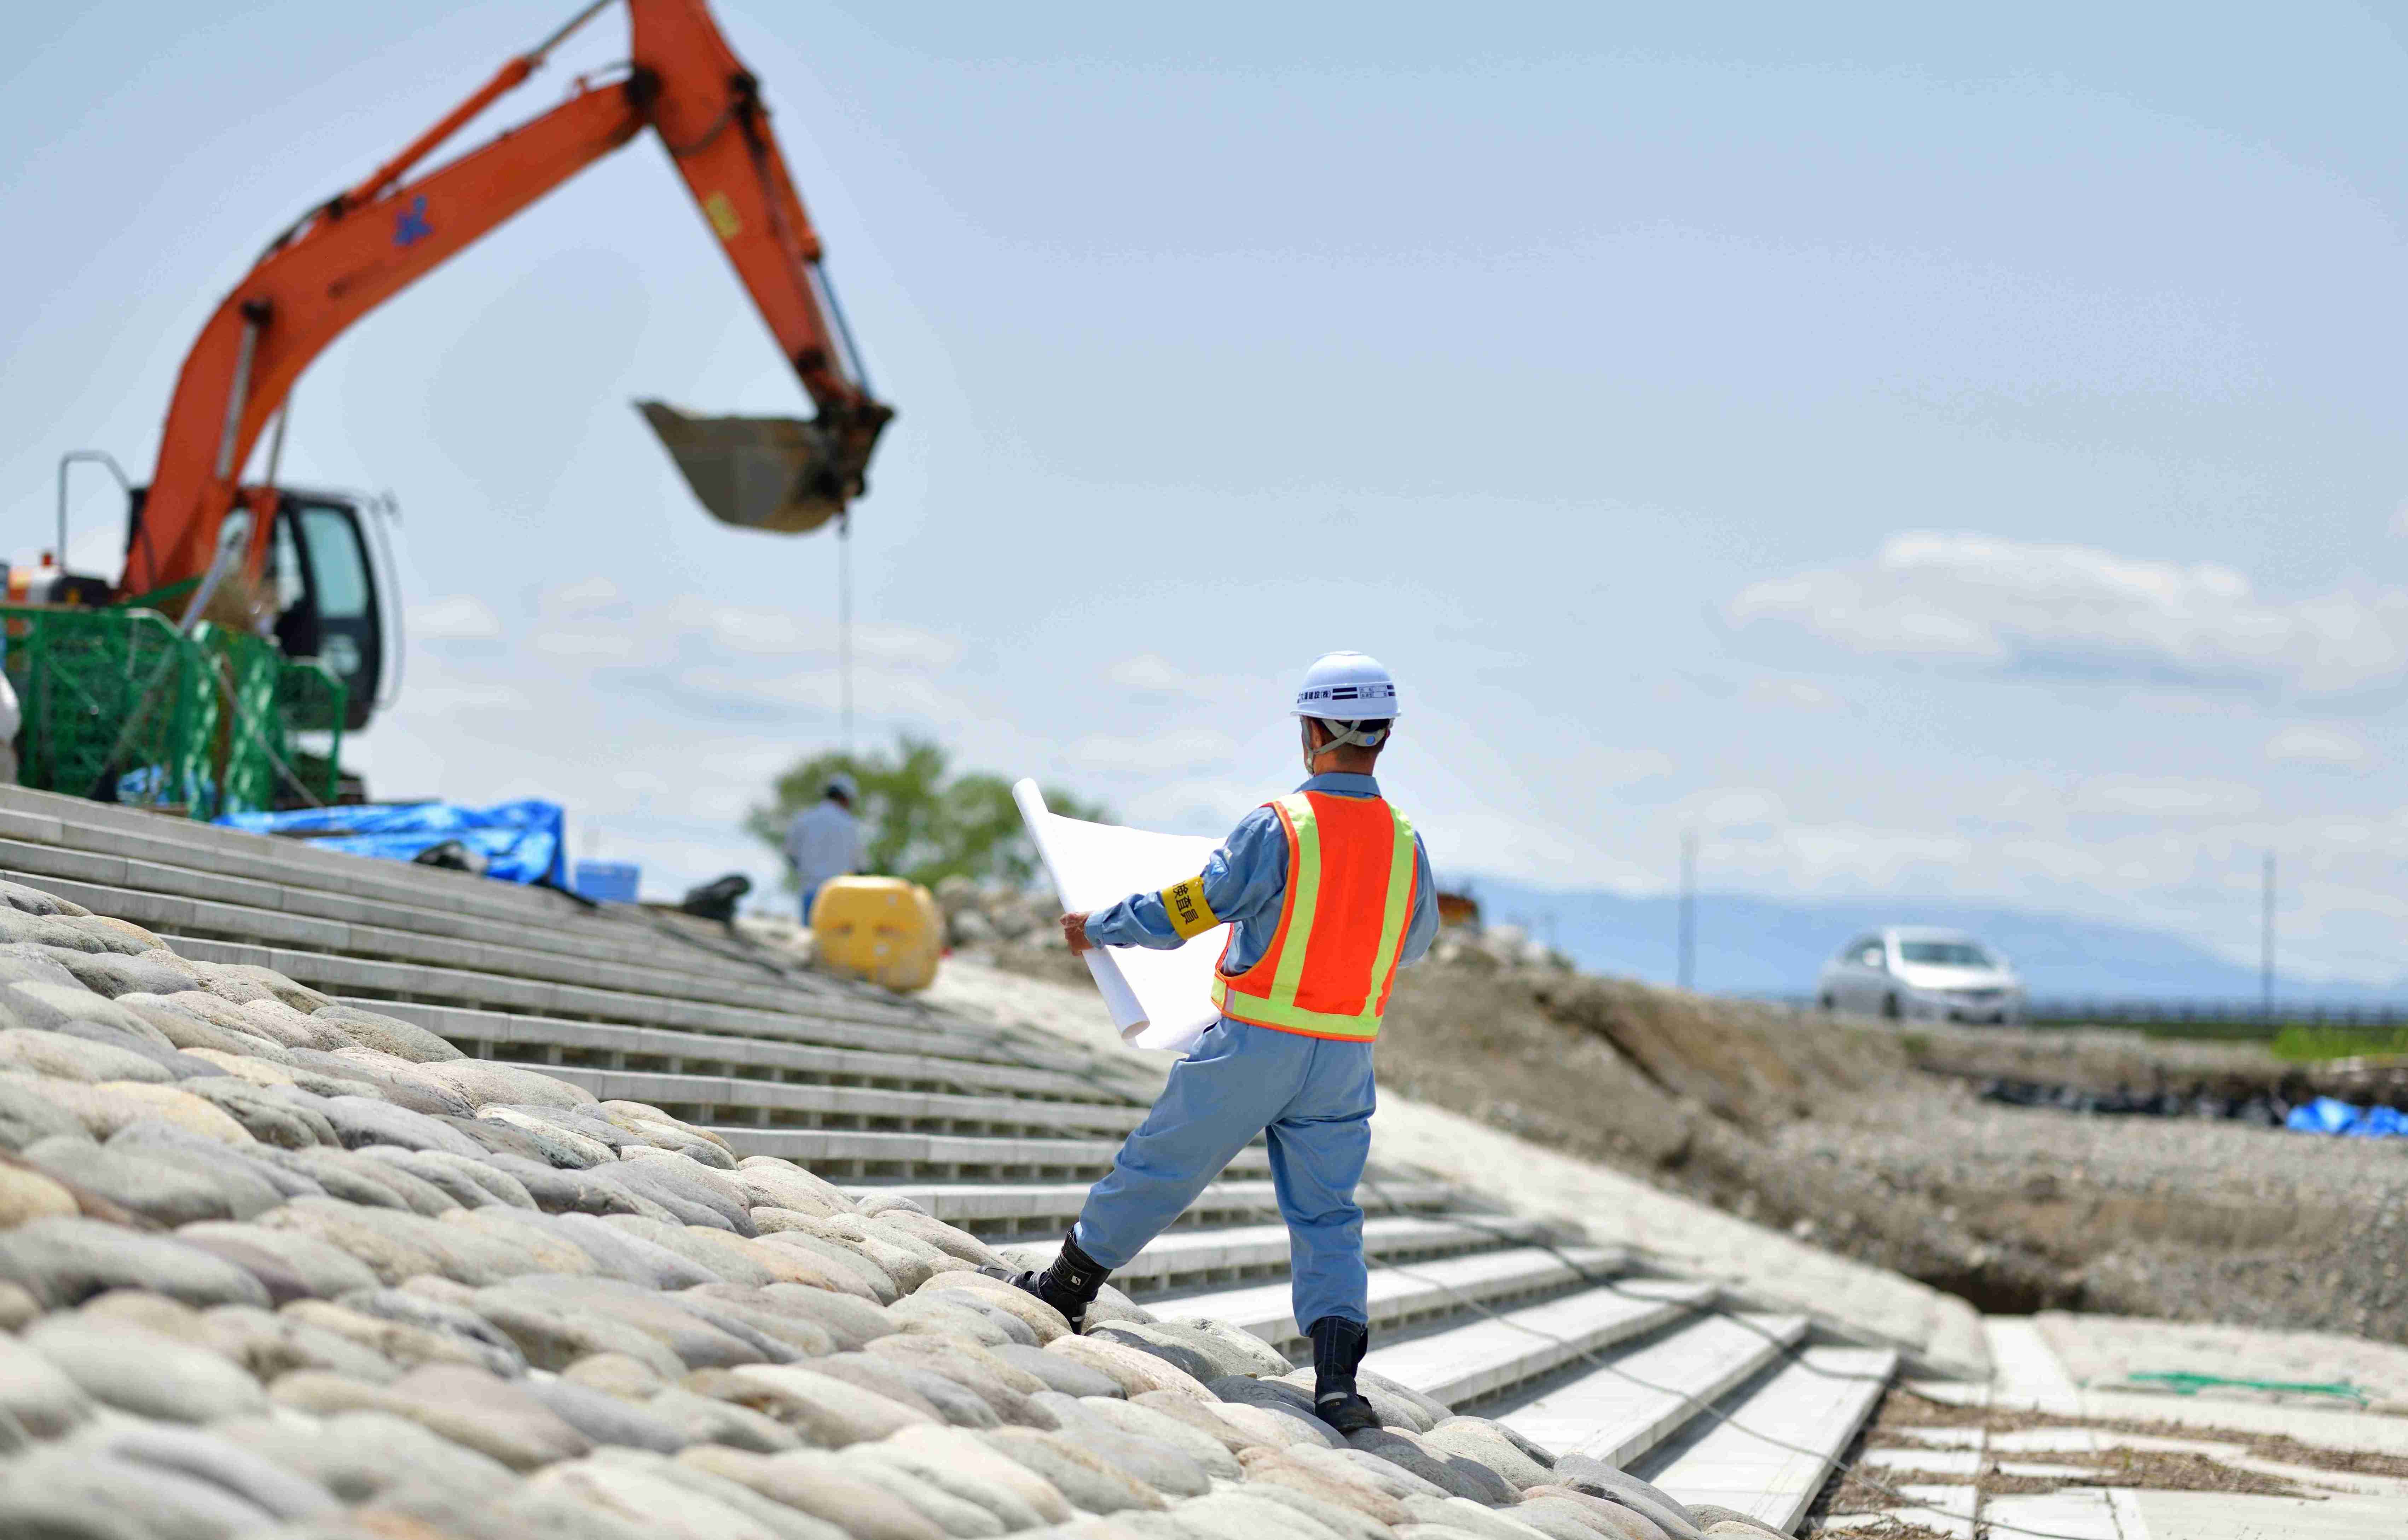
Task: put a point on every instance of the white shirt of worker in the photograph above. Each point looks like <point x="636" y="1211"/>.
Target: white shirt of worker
<point x="823" y="842"/>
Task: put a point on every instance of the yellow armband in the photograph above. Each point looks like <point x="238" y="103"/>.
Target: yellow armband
<point x="1190" y="915"/>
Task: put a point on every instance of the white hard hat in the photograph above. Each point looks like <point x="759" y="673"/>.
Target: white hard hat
<point x="1347" y="688"/>
<point x="840" y="784"/>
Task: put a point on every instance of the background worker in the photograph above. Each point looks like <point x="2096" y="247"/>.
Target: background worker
<point x="823" y="840"/>
<point x="1325" y="891"/>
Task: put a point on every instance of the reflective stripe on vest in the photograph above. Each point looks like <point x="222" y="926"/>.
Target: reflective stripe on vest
<point x="1349" y="893"/>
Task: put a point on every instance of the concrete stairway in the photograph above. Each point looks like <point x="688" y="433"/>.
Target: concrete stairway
<point x="996" y="1130"/>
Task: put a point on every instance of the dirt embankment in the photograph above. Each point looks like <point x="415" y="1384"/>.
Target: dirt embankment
<point x="1868" y="1139"/>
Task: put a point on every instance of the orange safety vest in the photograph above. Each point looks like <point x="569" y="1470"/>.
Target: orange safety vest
<point x="1351" y="875"/>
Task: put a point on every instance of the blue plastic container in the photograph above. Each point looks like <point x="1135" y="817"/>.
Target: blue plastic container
<point x="609" y="881"/>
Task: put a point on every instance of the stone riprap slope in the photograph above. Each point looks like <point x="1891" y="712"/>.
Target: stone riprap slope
<point x="532" y="1027"/>
<point x="272" y="1260"/>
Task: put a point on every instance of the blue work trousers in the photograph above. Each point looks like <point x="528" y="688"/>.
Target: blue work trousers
<point x="1312" y="1096"/>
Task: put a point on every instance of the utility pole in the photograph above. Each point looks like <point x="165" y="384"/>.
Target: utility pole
<point x="2266" y="947"/>
<point x="1688" y="938"/>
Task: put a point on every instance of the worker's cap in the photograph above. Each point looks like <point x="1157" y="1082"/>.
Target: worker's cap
<point x="1347" y="688"/>
<point x="840" y="784"/>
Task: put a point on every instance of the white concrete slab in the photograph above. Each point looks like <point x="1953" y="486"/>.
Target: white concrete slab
<point x="1771" y="1456"/>
<point x="2220" y="1516"/>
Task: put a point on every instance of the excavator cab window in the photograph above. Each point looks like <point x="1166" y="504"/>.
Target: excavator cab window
<point x="326" y="596"/>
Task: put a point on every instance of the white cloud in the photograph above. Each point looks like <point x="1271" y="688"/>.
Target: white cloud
<point x="585" y="597"/>
<point x="1794" y="694"/>
<point x="2014" y="608"/>
<point x="455" y="617"/>
<point x="1600" y="767"/>
<point x="2312" y="745"/>
<point x="1149" y="672"/>
<point x="1178" y="748"/>
<point x="2165" y="798"/>
<point x="581" y="642"/>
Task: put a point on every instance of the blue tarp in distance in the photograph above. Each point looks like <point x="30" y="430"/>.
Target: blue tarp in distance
<point x="520" y="842"/>
<point x="2326" y="1114"/>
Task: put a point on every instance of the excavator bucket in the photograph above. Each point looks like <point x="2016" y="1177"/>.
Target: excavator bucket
<point x="779" y="473"/>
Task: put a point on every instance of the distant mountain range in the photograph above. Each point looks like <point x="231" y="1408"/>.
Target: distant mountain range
<point x="1748" y="945"/>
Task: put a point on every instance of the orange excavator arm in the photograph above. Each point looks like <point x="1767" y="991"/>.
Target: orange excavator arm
<point x="350" y="254"/>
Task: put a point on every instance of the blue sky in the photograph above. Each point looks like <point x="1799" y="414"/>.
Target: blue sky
<point x="1927" y="453"/>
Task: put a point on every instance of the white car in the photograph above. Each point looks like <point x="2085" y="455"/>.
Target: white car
<point x="1910" y="974"/>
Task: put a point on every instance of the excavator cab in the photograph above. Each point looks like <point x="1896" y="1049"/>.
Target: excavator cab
<point x="328" y="603"/>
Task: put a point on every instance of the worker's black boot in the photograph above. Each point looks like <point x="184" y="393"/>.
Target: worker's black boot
<point x="1337" y="1345"/>
<point x="1068" y="1286"/>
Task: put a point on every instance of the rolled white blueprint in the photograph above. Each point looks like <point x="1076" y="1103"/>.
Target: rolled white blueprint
<point x="1157" y="998"/>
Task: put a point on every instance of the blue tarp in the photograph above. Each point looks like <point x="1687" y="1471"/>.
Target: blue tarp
<point x="2327" y="1115"/>
<point x="522" y="842"/>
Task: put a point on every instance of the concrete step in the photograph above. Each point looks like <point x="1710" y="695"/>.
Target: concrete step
<point x="45" y="818"/>
<point x="1399" y="1298"/>
<point x="623" y="935"/>
<point x="1649" y="1389"/>
<point x="1492" y="1353"/>
<point x="549" y="1042"/>
<point x="1199" y="1257"/>
<point x="865" y="1157"/>
<point x="204" y="918"/>
<point x="1815" y="1402"/>
<point x="379" y="982"/>
<point x="732" y="1102"/>
<point x="1009" y="1211"/>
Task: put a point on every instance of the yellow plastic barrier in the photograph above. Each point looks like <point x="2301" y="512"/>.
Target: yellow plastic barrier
<point x="881" y="928"/>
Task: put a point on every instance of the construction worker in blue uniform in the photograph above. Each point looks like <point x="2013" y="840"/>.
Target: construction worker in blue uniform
<point x="1325" y="892"/>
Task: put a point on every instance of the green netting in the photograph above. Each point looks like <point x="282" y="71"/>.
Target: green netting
<point x="119" y="705"/>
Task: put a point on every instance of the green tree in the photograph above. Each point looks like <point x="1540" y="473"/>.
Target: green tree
<point x="918" y="819"/>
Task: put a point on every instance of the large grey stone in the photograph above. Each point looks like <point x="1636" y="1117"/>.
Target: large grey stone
<point x="397" y="1081"/>
<point x="27" y="899"/>
<point x="1552" y="1507"/>
<point x="698" y="1343"/>
<point x="161" y="1140"/>
<point x="695" y="1194"/>
<point x="270" y="1114"/>
<point x="499" y="1185"/>
<point x="340" y="1173"/>
<point x="553" y="1189"/>
<point x="775" y="1340"/>
<point x="851" y="1322"/>
<point x="938" y="1396"/>
<point x="398" y="1245"/>
<point x="1157" y="1462"/>
<point x="1399" y="1412"/>
<point x="244" y="982"/>
<point x="1081" y="1473"/>
<point x="268" y="1346"/>
<point x="388" y="1035"/>
<point x="607" y="1419"/>
<point x="53" y="931"/>
<point x="657" y="1505"/>
<point x="490" y="1346"/>
<point x="772" y="1183"/>
<point x="936" y="1314"/>
<point x="946" y="1238"/>
<point x="1171" y="1351"/>
<point x="36" y="1394"/>
<point x="1461" y="1477"/>
<point x="144" y="1373"/>
<point x="1008" y="1391"/>
<point x="1477" y="1438"/>
<point x="27" y="1116"/>
<point x="483" y="1082"/>
<point x="169" y="1192"/>
<point x="828" y="1411"/>
<point x="701" y="1420"/>
<point x="555" y="1331"/>
<point x="88" y="1495"/>
<point x="492" y="1415"/>
<point x="840" y="1263"/>
<point x="624" y="1253"/>
<point x="112" y="973"/>
<point x="207" y="1457"/>
<point x="1060" y="1374"/>
<point x="561" y="1145"/>
<point x="496" y="1139"/>
<point x="732" y="1265"/>
<point x="184" y="1028"/>
<point x="781" y="1521"/>
<point x="325" y="1271"/>
<point x="61" y="1261"/>
<point x="859" y="1508"/>
<point x="1340" y="1487"/>
<point x="1588" y="1474"/>
<point x="358" y="1121"/>
<point x="61" y="1056"/>
<point x="431" y="1200"/>
<point x="937" y="1454"/>
<point x="1137" y="1421"/>
<point x="1392" y="1478"/>
<point x="547" y="1248"/>
<point x="956" y="1515"/>
<point x="361" y="1457"/>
